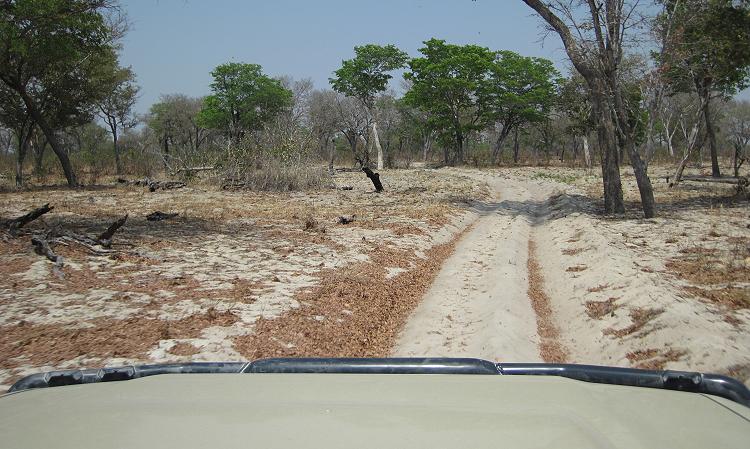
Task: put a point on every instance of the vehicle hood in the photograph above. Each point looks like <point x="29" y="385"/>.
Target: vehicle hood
<point x="367" y="411"/>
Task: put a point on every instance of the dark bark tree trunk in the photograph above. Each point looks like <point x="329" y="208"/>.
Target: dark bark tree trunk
<point x="515" y="146"/>
<point x="54" y="142"/>
<point x="118" y="163"/>
<point x="711" y="135"/>
<point x="24" y="135"/>
<point x="39" y="151"/>
<point x="374" y="177"/>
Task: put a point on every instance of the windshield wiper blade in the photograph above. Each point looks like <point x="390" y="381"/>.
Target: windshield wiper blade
<point x="712" y="384"/>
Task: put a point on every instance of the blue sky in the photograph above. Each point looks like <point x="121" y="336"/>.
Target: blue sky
<point x="174" y="44"/>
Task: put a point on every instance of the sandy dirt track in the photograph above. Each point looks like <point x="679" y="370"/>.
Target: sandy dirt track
<point x="478" y="306"/>
<point x="614" y="294"/>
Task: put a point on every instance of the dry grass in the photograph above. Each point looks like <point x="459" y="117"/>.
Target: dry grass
<point x="640" y="317"/>
<point x="598" y="288"/>
<point x="354" y="312"/>
<point x="550" y="348"/>
<point x="576" y="268"/>
<point x="718" y="275"/>
<point x="133" y="337"/>
<point x="654" y="359"/>
<point x="599" y="309"/>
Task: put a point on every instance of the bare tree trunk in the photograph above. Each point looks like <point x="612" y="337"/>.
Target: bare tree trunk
<point x="691" y="144"/>
<point x="586" y="150"/>
<point x="378" y="148"/>
<point x="331" y="154"/>
<point x="516" y="147"/>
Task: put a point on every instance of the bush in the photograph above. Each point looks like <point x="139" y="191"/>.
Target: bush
<point x="270" y="173"/>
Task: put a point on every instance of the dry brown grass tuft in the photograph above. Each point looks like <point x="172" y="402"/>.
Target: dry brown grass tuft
<point x="598" y="288"/>
<point x="640" y="317"/>
<point x="654" y="359"/>
<point x="716" y="271"/>
<point x="550" y="348"/>
<point x="576" y="268"/>
<point x="573" y="251"/>
<point x="599" y="309"/>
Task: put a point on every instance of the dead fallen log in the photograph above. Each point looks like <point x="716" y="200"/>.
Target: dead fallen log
<point x="105" y="238"/>
<point x="374" y="177"/>
<point x="153" y="186"/>
<point x="232" y="184"/>
<point x="739" y="181"/>
<point x="23" y="220"/>
<point x="345" y="219"/>
<point x="41" y="247"/>
<point x="158" y="216"/>
<point x="192" y="169"/>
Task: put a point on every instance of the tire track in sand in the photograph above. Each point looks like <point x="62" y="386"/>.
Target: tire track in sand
<point x="479" y="304"/>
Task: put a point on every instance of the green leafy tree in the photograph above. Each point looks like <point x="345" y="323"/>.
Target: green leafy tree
<point x="367" y="75"/>
<point x="520" y="90"/>
<point x="448" y="83"/>
<point x="708" y="45"/>
<point x="116" y="108"/>
<point x="56" y="55"/>
<point x="243" y="99"/>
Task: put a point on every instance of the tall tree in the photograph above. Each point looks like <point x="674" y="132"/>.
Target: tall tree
<point x="116" y="108"/>
<point x="708" y="51"/>
<point x="447" y="83"/>
<point x="594" y="39"/>
<point x="54" y="55"/>
<point x="365" y="76"/>
<point x="243" y="99"/>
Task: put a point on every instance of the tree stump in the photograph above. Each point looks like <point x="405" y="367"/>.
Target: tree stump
<point x="374" y="177"/>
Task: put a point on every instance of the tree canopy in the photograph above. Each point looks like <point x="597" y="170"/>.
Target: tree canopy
<point x="57" y="56"/>
<point x="243" y="99"/>
<point x="368" y="73"/>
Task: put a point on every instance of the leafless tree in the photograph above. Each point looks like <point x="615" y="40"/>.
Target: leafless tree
<point x="594" y="34"/>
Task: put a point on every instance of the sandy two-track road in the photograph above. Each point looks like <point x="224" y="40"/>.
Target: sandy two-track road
<point x="607" y="295"/>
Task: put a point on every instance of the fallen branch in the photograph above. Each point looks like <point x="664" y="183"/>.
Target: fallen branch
<point x="158" y="216"/>
<point x="41" y="247"/>
<point x="191" y="169"/>
<point x="23" y="220"/>
<point x="105" y="239"/>
<point x="153" y="186"/>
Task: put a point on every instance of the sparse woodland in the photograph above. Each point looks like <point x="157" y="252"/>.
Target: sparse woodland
<point x="603" y="200"/>
<point x="67" y="105"/>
